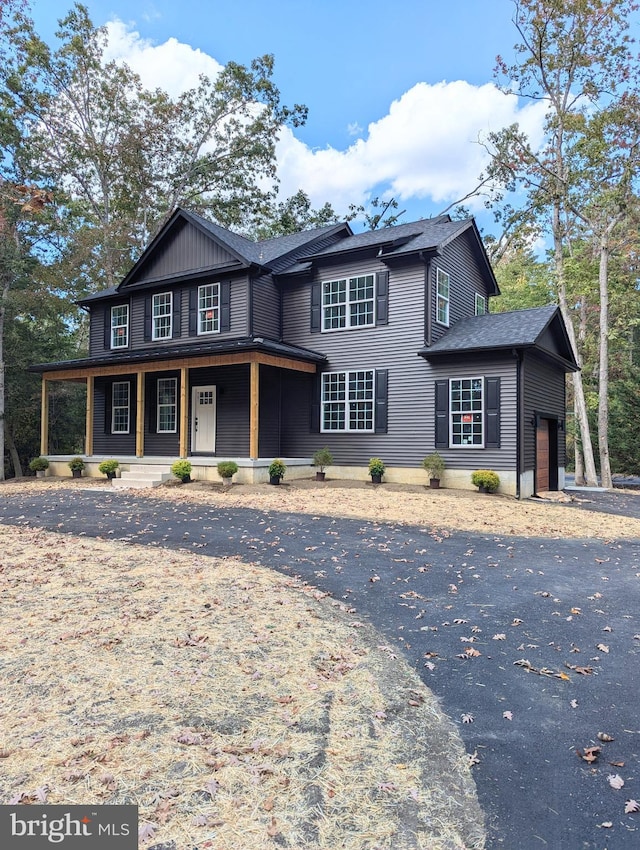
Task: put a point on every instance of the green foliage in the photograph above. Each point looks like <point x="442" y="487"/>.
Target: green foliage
<point x="38" y="464"/>
<point x="277" y="468"/>
<point x="434" y="465"/>
<point x="486" y="478"/>
<point x="378" y="214"/>
<point x="108" y="466"/>
<point x="227" y="468"/>
<point x="75" y="464"/>
<point x="181" y="468"/>
<point x="624" y="423"/>
<point x="376" y="466"/>
<point x="291" y="216"/>
<point x="322" y="458"/>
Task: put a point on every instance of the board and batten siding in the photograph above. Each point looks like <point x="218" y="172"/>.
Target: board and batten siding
<point x="544" y="393"/>
<point x="465" y="281"/>
<point x="393" y="347"/>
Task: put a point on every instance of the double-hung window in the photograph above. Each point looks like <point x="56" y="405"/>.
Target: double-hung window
<point x="162" y="315"/>
<point x="481" y="305"/>
<point x="120" y="407"/>
<point x="167" y="405"/>
<point x="120" y="326"/>
<point x="348" y="401"/>
<point x="442" y="297"/>
<point x="348" y="302"/>
<point x="467" y="412"/>
<point x="209" y="308"/>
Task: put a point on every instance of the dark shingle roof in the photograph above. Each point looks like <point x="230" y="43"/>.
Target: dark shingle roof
<point x="515" y="329"/>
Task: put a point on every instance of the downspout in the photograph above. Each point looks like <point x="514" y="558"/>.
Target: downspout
<point x="519" y="419"/>
<point x="427" y="297"/>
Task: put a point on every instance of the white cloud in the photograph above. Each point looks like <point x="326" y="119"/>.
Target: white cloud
<point x="425" y="147"/>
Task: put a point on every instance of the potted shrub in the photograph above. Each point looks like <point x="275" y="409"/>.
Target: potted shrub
<point x="486" y="480"/>
<point x="39" y="465"/>
<point x="322" y="458"/>
<point x="108" y="468"/>
<point x="434" y="466"/>
<point x="76" y="465"/>
<point x="276" y="471"/>
<point x="182" y="470"/>
<point x="226" y="470"/>
<point x="376" y="470"/>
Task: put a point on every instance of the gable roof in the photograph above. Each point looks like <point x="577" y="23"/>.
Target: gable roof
<point x="541" y="328"/>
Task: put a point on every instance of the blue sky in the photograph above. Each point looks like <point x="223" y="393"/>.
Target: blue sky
<point x="398" y="94"/>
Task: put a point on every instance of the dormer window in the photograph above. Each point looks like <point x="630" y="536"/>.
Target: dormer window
<point x="348" y="303"/>
<point x="162" y="314"/>
<point x="442" y="297"/>
<point x="120" y="326"/>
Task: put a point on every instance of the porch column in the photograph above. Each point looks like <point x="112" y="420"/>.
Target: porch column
<point x="44" y="418"/>
<point x="254" y="410"/>
<point x="140" y="415"/>
<point x="184" y="411"/>
<point x="88" y="438"/>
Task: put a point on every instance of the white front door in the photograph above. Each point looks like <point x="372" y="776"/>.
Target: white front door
<point x="203" y="419"/>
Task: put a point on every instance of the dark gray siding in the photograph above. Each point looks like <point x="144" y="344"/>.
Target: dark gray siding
<point x="266" y="307"/>
<point x="466" y="279"/>
<point x="544" y="394"/>
<point x="232" y="411"/>
<point x="159" y="445"/>
<point x="188" y="249"/>
<point x="270" y="412"/>
<point x="105" y="443"/>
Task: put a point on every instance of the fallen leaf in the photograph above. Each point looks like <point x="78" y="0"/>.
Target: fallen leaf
<point x="467" y="718"/>
<point x="602" y="736"/>
<point x="500" y="636"/>
<point x="508" y="715"/>
<point x="470" y="652"/>
<point x="616" y="781"/>
<point x="473" y="759"/>
<point x="574" y="703"/>
<point x="616" y="763"/>
<point x="268" y="804"/>
<point x="146" y="832"/>
<point x="273" y="828"/>
<point x="631" y="806"/>
<point x="589" y="754"/>
<point x="607" y="824"/>
<point x="602" y="648"/>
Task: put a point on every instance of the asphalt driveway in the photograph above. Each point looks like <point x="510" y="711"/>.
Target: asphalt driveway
<point x="533" y="645"/>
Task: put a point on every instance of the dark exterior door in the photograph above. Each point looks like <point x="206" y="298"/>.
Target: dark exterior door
<point x="542" y="456"/>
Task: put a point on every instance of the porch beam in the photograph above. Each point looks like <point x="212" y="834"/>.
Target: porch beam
<point x="254" y="410"/>
<point x="88" y="437"/>
<point x="44" y="417"/>
<point x="184" y="411"/>
<point x="183" y="363"/>
<point x="140" y="414"/>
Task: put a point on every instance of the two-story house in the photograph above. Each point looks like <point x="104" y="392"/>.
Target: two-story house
<point x="374" y="344"/>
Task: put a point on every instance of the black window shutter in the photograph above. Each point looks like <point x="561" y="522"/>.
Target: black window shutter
<point x="225" y="306"/>
<point x="315" y="308"/>
<point x="382" y="388"/>
<point x="147" y="318"/>
<point x="442" y="414"/>
<point x="382" y="298"/>
<point x="108" y="402"/>
<point x="492" y="413"/>
<point x="151" y="401"/>
<point x="107" y="327"/>
<point x="176" y="330"/>
<point x="316" y="390"/>
<point x="193" y="312"/>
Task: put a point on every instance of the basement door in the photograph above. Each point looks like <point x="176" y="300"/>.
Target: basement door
<point x="203" y="420"/>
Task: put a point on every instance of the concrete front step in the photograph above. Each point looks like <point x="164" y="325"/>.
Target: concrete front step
<point x="141" y="477"/>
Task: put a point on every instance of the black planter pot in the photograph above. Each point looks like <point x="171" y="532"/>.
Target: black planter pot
<point x="376" y="479"/>
<point x="434" y="483"/>
<point x="76" y="473"/>
<point x="482" y="489"/>
<point x="274" y="479"/>
<point x="320" y="476"/>
<point x="186" y="479"/>
<point x="110" y="476"/>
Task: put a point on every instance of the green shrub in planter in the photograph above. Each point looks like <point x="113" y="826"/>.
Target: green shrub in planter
<point x="39" y="464"/>
<point x="376" y="466"/>
<point x="434" y="465"/>
<point x="277" y="469"/>
<point x="322" y="458"/>
<point x="76" y="464"/>
<point x="108" y="467"/>
<point x="485" y="480"/>
<point x="227" y="468"/>
<point x="182" y="470"/>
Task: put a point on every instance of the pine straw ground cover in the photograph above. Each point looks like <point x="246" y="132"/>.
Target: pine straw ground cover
<point x="237" y="708"/>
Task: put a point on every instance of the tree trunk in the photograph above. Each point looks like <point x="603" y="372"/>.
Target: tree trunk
<point x="603" y="367"/>
<point x="13" y="454"/>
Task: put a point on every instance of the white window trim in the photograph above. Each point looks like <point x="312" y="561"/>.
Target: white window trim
<point x="201" y="310"/>
<point x="121" y="407"/>
<point x="158" y="405"/>
<point x="114" y="328"/>
<point x="480" y="299"/>
<point x="154" y="335"/>
<point x="467" y="446"/>
<point x="348" y="303"/>
<point x="441" y="272"/>
<point x="347" y="429"/>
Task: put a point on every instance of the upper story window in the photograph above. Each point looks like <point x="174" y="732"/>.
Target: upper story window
<point x="481" y="305"/>
<point x="348" y="302"/>
<point x="348" y="401"/>
<point x="442" y="297"/>
<point x="120" y="326"/>
<point x="167" y="422"/>
<point x="120" y="407"/>
<point x="467" y="412"/>
<point x="161" y="316"/>
<point x="209" y="308"/>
